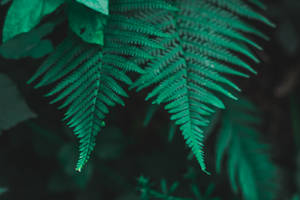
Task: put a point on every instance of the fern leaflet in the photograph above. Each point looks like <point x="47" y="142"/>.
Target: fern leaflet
<point x="88" y="76"/>
<point x="204" y="37"/>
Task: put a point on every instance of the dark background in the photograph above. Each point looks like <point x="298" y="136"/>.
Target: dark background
<point x="37" y="157"/>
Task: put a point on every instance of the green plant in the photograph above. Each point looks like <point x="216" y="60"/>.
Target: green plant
<point x="189" y="71"/>
<point x="249" y="164"/>
<point x="146" y="190"/>
<point x="185" y="51"/>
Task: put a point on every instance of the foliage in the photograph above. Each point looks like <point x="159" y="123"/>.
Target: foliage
<point x="249" y="165"/>
<point x="31" y="44"/>
<point x="89" y="76"/>
<point x="97" y="5"/>
<point x="186" y="56"/>
<point x="22" y="16"/>
<point x="188" y="72"/>
<point x="295" y="197"/>
<point x="86" y="24"/>
<point x="13" y="107"/>
<point x="193" y="44"/>
<point x="147" y="192"/>
<point x="2" y="191"/>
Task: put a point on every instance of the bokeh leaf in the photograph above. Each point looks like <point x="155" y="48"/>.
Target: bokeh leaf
<point x="13" y="107"/>
<point x="296" y="197"/>
<point x="30" y="44"/>
<point x="249" y="165"/>
<point x="3" y="190"/>
<point x="152" y="109"/>
<point x="111" y="144"/>
<point x="2" y="2"/>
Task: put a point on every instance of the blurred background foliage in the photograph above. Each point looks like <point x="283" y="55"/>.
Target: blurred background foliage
<point x="140" y="154"/>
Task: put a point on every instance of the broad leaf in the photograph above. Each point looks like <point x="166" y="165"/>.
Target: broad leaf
<point x="86" y="23"/>
<point x="51" y="5"/>
<point x="97" y="5"/>
<point x="29" y="45"/>
<point x="13" y="107"/>
<point x="22" y="15"/>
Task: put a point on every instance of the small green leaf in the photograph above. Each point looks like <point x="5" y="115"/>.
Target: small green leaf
<point x="43" y="48"/>
<point x="97" y="5"/>
<point x="22" y="15"/>
<point x="13" y="107"/>
<point x="86" y="23"/>
<point x="51" y="5"/>
<point x="30" y="44"/>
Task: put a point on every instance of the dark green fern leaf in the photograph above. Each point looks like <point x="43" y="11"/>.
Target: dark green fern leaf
<point x="88" y="76"/>
<point x="204" y="37"/>
<point x="88" y="83"/>
<point x="249" y="166"/>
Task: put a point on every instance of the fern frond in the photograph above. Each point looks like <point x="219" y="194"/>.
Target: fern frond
<point x="249" y="166"/>
<point x="88" y="76"/>
<point x="203" y="43"/>
<point x="87" y="83"/>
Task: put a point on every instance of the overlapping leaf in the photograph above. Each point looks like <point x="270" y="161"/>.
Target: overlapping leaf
<point x="249" y="165"/>
<point x="97" y="5"/>
<point x="30" y="44"/>
<point x="86" y="23"/>
<point x="88" y="76"/>
<point x="23" y="15"/>
<point x="13" y="107"/>
<point x="204" y="38"/>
